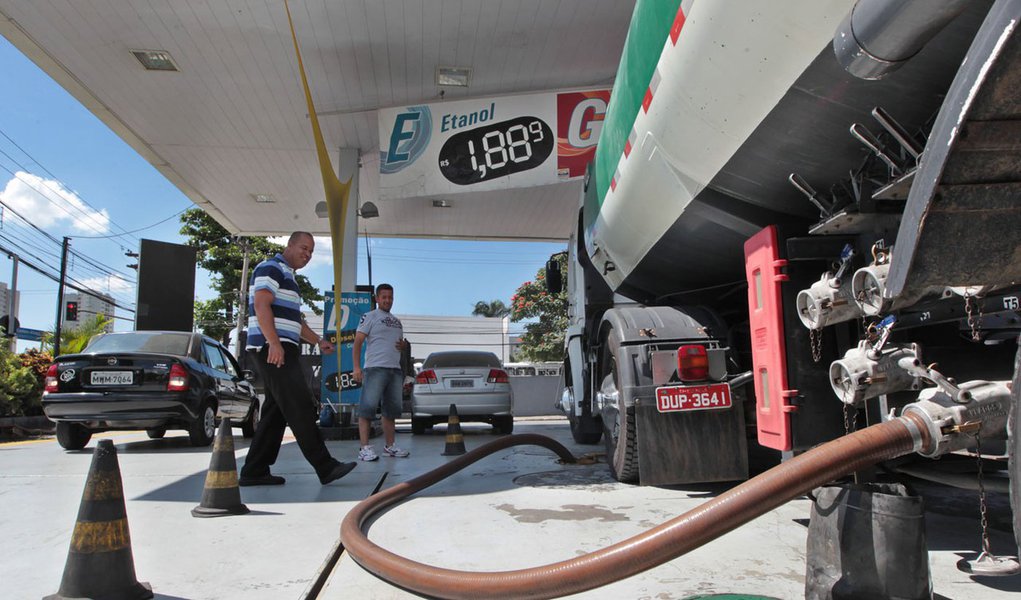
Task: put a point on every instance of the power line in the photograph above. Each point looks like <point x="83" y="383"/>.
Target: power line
<point x="57" y="279"/>
<point x="50" y="173"/>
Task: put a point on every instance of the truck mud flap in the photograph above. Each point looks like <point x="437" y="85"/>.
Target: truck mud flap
<point x="689" y="447"/>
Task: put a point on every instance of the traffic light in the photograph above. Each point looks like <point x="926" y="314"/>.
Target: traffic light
<point x="71" y="311"/>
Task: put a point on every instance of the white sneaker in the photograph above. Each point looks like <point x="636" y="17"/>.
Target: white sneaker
<point x="367" y="453"/>
<point x="395" y="451"/>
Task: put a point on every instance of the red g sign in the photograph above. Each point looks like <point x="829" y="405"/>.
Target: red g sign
<point x="579" y="122"/>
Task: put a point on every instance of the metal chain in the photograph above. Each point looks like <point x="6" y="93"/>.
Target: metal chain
<point x="973" y="323"/>
<point x="850" y="419"/>
<point x="982" y="509"/>
<point x="815" y="340"/>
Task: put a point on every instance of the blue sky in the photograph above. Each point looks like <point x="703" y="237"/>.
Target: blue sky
<point x="66" y="173"/>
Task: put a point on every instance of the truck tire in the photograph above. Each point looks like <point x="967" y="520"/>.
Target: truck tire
<point x="585" y="428"/>
<point x="1014" y="447"/>
<point x="621" y="439"/>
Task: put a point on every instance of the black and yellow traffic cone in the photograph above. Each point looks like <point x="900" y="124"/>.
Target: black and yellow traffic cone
<point x="455" y="441"/>
<point x="99" y="562"/>
<point x="221" y="495"/>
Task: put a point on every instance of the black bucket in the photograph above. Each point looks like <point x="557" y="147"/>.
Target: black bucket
<point x="867" y="541"/>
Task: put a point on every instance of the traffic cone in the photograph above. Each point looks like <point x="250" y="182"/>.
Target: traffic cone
<point x="455" y="441"/>
<point x="99" y="562"/>
<point x="221" y="495"/>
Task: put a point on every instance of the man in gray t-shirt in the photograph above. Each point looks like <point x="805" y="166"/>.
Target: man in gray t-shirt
<point x="382" y="378"/>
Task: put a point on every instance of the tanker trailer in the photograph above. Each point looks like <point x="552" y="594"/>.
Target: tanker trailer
<point x="802" y="218"/>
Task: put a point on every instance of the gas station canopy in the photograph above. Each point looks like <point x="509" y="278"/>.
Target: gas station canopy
<point x="209" y="93"/>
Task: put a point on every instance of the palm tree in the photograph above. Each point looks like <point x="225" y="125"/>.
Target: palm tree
<point x="75" y="340"/>
<point x="495" y="308"/>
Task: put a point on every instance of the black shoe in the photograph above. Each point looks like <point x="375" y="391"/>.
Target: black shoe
<point x="267" y="479"/>
<point x="339" y="470"/>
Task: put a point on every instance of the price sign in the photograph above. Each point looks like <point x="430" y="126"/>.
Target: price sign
<point x="496" y="150"/>
<point x="487" y="144"/>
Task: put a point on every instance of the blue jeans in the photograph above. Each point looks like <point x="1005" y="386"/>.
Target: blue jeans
<point x="382" y="387"/>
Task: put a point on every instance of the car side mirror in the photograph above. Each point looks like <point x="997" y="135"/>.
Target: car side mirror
<point x="554" y="279"/>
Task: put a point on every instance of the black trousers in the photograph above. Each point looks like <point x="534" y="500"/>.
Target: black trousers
<point x="289" y="401"/>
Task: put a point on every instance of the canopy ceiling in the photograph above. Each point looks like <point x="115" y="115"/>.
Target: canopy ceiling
<point x="232" y="122"/>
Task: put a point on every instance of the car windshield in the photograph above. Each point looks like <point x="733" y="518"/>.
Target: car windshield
<point x="461" y="359"/>
<point x="142" y="341"/>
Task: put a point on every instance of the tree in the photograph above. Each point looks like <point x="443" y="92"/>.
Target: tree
<point x="19" y="387"/>
<point x="544" y="339"/>
<point x="494" y="308"/>
<point x="74" y="340"/>
<point x="220" y="253"/>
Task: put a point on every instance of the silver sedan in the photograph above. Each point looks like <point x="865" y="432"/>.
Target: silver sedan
<point x="473" y="381"/>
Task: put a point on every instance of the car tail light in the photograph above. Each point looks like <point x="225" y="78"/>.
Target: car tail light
<point x="178" y="380"/>
<point x="427" y="376"/>
<point x="51" y="380"/>
<point x="692" y="363"/>
<point x="497" y="376"/>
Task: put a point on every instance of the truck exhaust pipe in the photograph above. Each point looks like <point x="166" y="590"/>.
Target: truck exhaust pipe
<point x="911" y="432"/>
<point x="879" y="36"/>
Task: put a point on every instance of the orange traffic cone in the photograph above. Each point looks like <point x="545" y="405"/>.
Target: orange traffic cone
<point x="221" y="495"/>
<point x="99" y="562"/>
<point x="455" y="441"/>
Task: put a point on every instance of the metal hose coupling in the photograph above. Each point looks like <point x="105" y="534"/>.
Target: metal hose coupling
<point x="654" y="547"/>
<point x="955" y="415"/>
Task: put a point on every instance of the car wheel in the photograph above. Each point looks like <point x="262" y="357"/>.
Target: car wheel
<point x="156" y="433"/>
<point x="503" y="425"/>
<point x="248" y="427"/>
<point x="72" y="436"/>
<point x="202" y="430"/>
<point x="418" y="426"/>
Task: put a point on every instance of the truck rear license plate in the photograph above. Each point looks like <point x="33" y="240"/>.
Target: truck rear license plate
<point x="111" y="378"/>
<point x="677" y="398"/>
<point x="462" y="383"/>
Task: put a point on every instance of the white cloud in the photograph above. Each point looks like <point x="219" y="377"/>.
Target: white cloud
<point x="323" y="254"/>
<point x="46" y="203"/>
<point x="111" y="284"/>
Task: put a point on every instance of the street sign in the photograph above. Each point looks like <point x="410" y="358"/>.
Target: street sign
<point x="30" y="335"/>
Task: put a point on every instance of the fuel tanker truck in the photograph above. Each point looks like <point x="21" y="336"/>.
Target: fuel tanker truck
<point x="802" y="218"/>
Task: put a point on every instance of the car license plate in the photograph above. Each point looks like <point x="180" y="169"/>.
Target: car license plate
<point x="111" y="378"/>
<point x="462" y="383"/>
<point x="677" y="398"/>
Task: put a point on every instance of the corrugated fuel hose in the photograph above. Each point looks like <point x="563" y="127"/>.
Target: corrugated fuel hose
<point x="656" y="546"/>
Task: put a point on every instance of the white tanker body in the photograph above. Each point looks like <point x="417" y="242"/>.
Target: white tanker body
<point x="794" y="206"/>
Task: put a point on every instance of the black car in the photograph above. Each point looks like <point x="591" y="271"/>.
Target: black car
<point x="152" y="380"/>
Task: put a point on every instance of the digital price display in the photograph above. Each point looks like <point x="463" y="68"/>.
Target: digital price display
<point x="496" y="150"/>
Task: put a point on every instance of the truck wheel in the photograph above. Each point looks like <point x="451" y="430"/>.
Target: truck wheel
<point x="156" y="433"/>
<point x="585" y="429"/>
<point x="72" y="436"/>
<point x="621" y="440"/>
<point x="202" y="429"/>
<point x="1014" y="447"/>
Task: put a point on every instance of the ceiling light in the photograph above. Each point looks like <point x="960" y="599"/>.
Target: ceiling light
<point x="441" y="204"/>
<point x="368" y="211"/>
<point x="263" y="198"/>
<point x="322" y="211"/>
<point x="155" y="60"/>
<point x="453" y="76"/>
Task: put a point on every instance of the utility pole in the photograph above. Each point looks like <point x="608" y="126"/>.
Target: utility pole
<point x="242" y="302"/>
<point x="12" y="306"/>
<point x="60" y="295"/>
